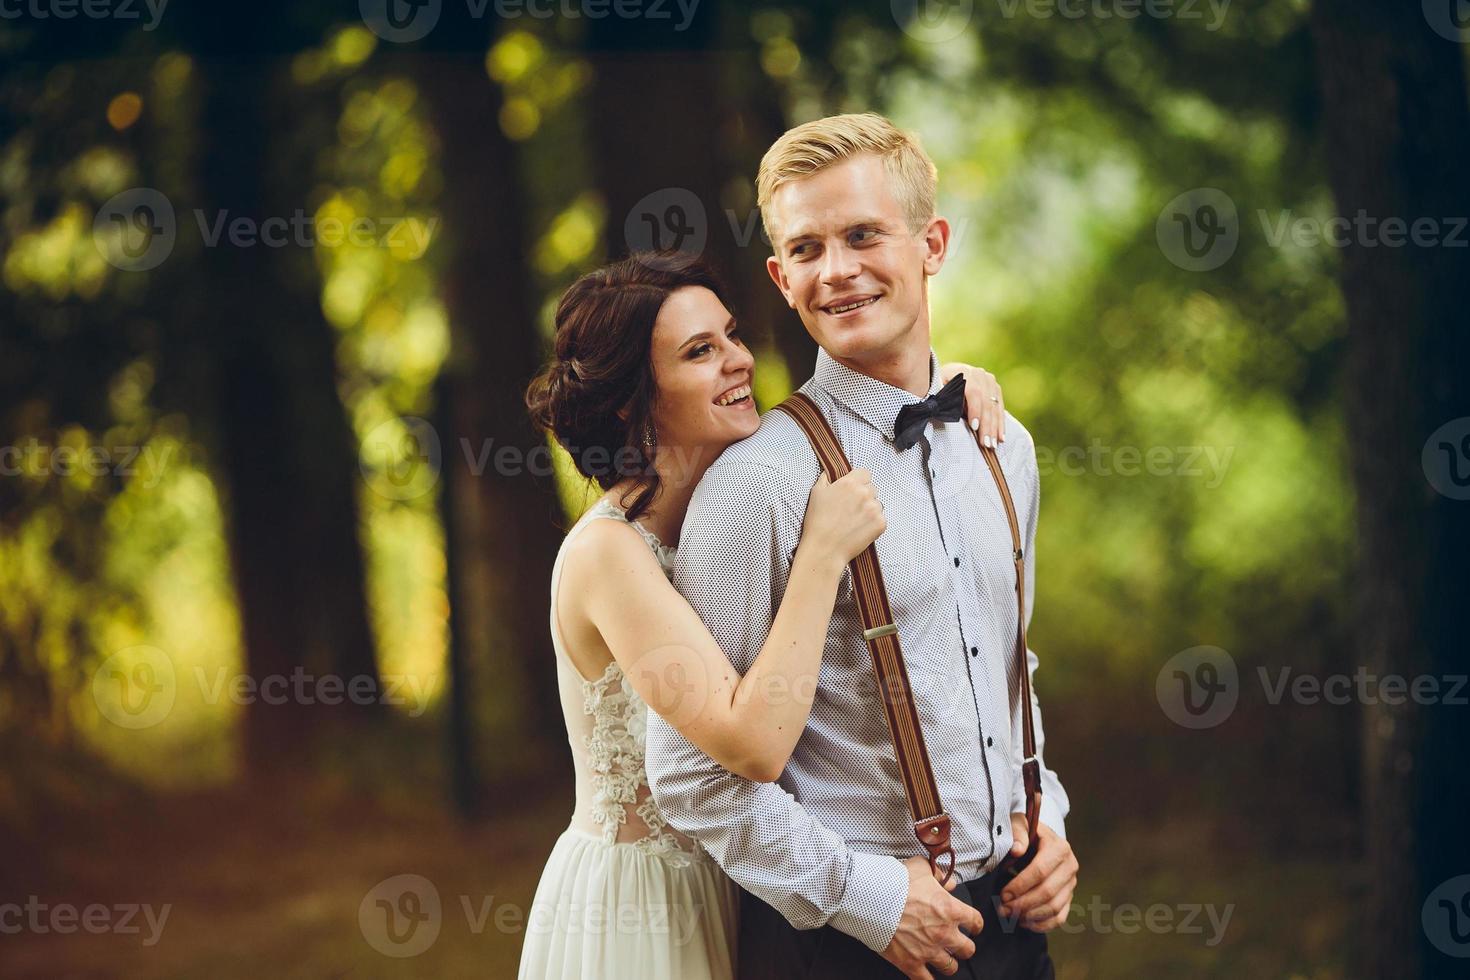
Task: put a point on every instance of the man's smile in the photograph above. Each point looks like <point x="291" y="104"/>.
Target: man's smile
<point x="848" y="305"/>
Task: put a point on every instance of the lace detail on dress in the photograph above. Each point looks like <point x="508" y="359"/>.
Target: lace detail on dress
<point x="615" y="747"/>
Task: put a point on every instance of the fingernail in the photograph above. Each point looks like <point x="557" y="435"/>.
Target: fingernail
<point x="974" y="425"/>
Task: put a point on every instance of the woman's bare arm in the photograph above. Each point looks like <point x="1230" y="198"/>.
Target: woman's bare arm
<point x="750" y="724"/>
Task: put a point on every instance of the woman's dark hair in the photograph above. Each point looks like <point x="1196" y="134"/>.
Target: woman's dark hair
<point x="601" y="365"/>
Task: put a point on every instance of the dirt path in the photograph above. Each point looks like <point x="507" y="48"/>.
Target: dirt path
<point x="236" y="884"/>
<point x="269" y="884"/>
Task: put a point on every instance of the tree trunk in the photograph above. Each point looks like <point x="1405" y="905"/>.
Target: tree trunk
<point x="507" y="517"/>
<point x="658" y="145"/>
<point x="757" y="120"/>
<point x="285" y="449"/>
<point x="696" y="136"/>
<point x="1398" y="134"/>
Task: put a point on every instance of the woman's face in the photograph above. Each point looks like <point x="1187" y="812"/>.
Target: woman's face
<point x="703" y="372"/>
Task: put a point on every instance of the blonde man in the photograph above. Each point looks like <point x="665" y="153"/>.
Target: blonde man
<point x="834" y="880"/>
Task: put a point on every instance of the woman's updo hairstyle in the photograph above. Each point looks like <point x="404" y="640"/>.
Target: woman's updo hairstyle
<point x="601" y="365"/>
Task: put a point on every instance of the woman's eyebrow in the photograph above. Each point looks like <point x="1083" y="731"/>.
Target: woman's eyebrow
<point x="705" y="334"/>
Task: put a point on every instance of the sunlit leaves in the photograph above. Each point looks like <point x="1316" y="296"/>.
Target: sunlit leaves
<point x="59" y="259"/>
<point x="572" y="237"/>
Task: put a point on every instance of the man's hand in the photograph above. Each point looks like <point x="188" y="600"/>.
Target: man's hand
<point x="929" y="931"/>
<point x="1041" y="896"/>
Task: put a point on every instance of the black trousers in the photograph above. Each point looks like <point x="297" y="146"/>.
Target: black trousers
<point x="771" y="949"/>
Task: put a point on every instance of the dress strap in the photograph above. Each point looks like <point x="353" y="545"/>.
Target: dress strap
<point x="607" y="510"/>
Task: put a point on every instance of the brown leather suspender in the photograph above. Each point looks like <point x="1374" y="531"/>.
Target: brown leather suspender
<point x="931" y="822"/>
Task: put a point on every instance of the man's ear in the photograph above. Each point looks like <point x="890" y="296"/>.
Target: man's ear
<point x="935" y="240"/>
<point x="773" y="269"/>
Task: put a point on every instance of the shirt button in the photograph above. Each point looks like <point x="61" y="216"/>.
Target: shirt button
<point x="989" y="741"/>
<point x="934" y="473"/>
<point x="974" y="651"/>
<point x="997" y="830"/>
<point x="957" y="562"/>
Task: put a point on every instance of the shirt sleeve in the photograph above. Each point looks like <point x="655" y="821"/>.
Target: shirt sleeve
<point x="733" y="559"/>
<point x="1054" y="802"/>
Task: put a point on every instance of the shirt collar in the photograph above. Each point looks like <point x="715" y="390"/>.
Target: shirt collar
<point x="874" y="401"/>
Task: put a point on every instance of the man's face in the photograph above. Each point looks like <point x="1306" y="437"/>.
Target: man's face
<point x="847" y="262"/>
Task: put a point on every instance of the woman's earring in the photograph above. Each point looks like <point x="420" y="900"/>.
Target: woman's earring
<point x="648" y="437"/>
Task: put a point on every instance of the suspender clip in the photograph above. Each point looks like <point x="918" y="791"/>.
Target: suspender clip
<point x="880" y="631"/>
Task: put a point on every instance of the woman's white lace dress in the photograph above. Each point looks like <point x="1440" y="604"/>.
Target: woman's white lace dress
<point x="623" y="895"/>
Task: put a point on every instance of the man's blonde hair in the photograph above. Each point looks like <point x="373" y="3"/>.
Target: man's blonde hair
<point x="813" y="146"/>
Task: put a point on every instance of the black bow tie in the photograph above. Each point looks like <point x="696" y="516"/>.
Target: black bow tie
<point x="947" y="405"/>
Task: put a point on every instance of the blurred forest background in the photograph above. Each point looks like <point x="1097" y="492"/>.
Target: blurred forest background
<point x="236" y="452"/>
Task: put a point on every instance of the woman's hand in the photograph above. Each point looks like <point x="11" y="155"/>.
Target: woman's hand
<point x="842" y="518"/>
<point x="985" y="410"/>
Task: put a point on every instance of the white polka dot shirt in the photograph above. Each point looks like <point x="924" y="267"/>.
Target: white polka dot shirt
<point x="823" y="844"/>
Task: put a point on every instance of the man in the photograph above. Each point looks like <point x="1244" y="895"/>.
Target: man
<point x="834" y="878"/>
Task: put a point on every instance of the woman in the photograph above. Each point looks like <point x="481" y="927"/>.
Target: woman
<point x="649" y="384"/>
